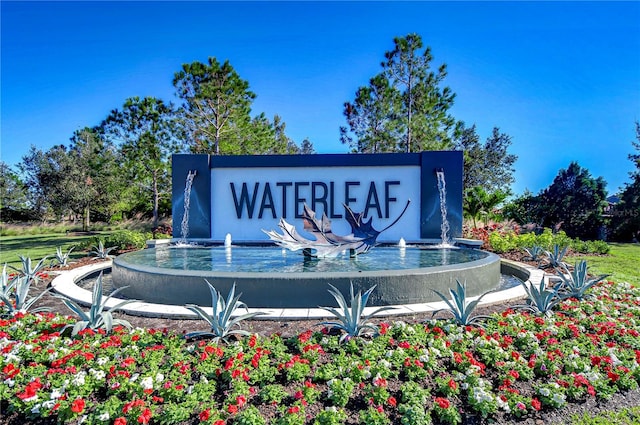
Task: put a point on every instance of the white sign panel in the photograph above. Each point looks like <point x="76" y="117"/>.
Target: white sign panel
<point x="246" y="201"/>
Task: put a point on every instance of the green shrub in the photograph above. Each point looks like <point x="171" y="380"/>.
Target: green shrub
<point x="121" y="239"/>
<point x="501" y="243"/>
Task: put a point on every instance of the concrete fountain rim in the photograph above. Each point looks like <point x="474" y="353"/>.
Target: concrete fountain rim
<point x="65" y="284"/>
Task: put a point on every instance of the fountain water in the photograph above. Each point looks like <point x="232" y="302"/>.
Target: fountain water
<point x="444" y="227"/>
<point x="184" y="225"/>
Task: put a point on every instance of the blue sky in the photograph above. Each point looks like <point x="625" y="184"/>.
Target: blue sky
<point x="562" y="79"/>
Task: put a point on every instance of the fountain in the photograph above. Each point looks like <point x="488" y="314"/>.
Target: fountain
<point x="444" y="226"/>
<point x="184" y="225"/>
<point x="271" y="277"/>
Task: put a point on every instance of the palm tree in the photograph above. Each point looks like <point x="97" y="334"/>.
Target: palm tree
<point x="478" y="201"/>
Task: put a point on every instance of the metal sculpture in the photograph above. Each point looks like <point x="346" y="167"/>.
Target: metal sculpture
<point x="327" y="244"/>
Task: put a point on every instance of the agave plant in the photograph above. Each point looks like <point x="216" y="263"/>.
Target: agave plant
<point x="534" y="254"/>
<point x="100" y="251"/>
<point x="222" y="320"/>
<point x="350" y="317"/>
<point x="6" y="287"/>
<point x="540" y="299"/>
<point x="96" y="317"/>
<point x="28" y="270"/>
<point x="459" y="306"/>
<point x="554" y="259"/>
<point x="575" y="283"/>
<point x="15" y="296"/>
<point x="62" y="258"/>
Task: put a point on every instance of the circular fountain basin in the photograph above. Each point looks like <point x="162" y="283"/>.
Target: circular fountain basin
<point x="270" y="277"/>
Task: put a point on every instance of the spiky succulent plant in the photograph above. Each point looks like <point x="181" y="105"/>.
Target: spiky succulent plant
<point x="351" y="318"/>
<point x="540" y="299"/>
<point x="97" y="317"/>
<point x="461" y="308"/>
<point x="223" y="317"/>
<point x="575" y="283"/>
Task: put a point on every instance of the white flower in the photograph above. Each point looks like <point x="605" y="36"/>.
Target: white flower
<point x="97" y="374"/>
<point x="558" y="399"/>
<point x="134" y="377"/>
<point x="36" y="409"/>
<point x="102" y="361"/>
<point x="78" y="380"/>
<point x="503" y="405"/>
<point x="160" y="377"/>
<point x="56" y="394"/>
<point x="147" y="383"/>
<point x="546" y="392"/>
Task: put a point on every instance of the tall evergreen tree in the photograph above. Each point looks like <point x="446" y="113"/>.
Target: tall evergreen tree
<point x="216" y="112"/>
<point x="403" y="109"/>
<point x="489" y="165"/>
<point x="93" y="169"/>
<point x="626" y="215"/>
<point x="76" y="179"/>
<point x="575" y="203"/>
<point x="146" y="130"/>
<point x="216" y="102"/>
<point x="13" y="198"/>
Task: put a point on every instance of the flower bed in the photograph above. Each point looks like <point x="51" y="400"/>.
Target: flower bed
<point x="517" y="365"/>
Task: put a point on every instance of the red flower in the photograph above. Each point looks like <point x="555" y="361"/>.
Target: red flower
<point x="452" y="384"/>
<point x="77" y="406"/>
<point x="380" y="382"/>
<point x="232" y="408"/>
<point x="294" y="409"/>
<point x="392" y="401"/>
<point x="204" y="415"/>
<point x="120" y="421"/>
<point x="535" y="403"/>
<point x="241" y="400"/>
<point x="443" y="402"/>
<point x="145" y="417"/>
<point x="305" y="336"/>
<point x="10" y="370"/>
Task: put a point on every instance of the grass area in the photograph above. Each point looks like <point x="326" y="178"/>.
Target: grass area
<point x="39" y="246"/>
<point x="628" y="416"/>
<point x="621" y="264"/>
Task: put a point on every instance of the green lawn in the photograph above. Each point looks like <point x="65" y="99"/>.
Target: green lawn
<point x="622" y="264"/>
<point x="38" y="246"/>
